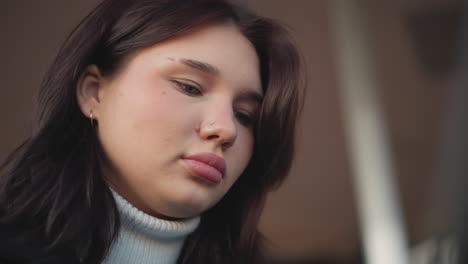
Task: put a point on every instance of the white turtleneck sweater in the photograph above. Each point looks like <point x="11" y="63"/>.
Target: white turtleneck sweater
<point x="145" y="239"/>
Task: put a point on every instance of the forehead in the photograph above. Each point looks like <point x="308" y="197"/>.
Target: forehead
<point x="220" y="45"/>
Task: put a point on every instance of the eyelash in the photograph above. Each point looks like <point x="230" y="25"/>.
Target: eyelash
<point x="245" y="119"/>
<point x="187" y="88"/>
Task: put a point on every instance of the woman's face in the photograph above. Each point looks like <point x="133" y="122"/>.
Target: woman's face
<point x="176" y="123"/>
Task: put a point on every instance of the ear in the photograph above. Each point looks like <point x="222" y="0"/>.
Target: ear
<point x="89" y="91"/>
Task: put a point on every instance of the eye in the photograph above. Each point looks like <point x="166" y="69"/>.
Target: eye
<point x="245" y="119"/>
<point x="187" y="88"/>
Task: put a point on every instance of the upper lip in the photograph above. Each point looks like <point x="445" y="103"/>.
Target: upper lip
<point x="210" y="159"/>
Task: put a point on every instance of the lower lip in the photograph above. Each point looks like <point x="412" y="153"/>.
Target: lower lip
<point x="204" y="170"/>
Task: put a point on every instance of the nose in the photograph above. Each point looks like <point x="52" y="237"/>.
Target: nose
<point x="219" y="127"/>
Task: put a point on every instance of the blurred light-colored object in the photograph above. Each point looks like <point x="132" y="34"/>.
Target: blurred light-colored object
<point x="443" y="250"/>
<point x="383" y="232"/>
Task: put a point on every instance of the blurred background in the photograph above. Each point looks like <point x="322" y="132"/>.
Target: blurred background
<point x="407" y="55"/>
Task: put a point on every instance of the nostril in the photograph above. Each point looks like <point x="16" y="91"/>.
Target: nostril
<point x="213" y="137"/>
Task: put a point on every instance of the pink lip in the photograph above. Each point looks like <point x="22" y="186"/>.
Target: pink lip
<point x="207" y="165"/>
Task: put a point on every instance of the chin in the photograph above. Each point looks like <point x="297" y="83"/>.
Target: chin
<point x="191" y="204"/>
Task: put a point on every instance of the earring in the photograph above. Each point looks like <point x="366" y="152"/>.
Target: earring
<point x="91" y="117"/>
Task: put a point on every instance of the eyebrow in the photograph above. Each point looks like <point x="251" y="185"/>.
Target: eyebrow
<point x="201" y="66"/>
<point x="211" y="69"/>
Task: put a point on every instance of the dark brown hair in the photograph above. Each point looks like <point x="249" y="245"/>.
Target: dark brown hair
<point x="53" y="184"/>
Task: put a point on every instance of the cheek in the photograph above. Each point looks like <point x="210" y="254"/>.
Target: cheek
<point x="157" y="108"/>
<point x="151" y="104"/>
<point x="144" y="118"/>
<point x="242" y="152"/>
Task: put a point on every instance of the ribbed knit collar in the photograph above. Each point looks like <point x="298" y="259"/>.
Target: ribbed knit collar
<point x="147" y="239"/>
